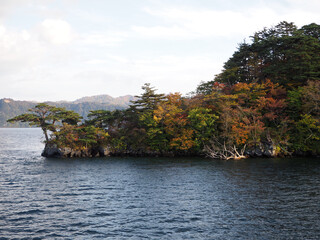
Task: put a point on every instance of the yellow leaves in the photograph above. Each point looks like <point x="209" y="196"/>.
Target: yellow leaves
<point x="159" y="112"/>
<point x="309" y="121"/>
<point x="101" y="135"/>
<point x="156" y="118"/>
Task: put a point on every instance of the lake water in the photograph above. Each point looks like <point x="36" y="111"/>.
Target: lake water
<point x="153" y="198"/>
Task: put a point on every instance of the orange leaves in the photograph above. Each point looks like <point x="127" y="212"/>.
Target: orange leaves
<point x="184" y="141"/>
<point x="246" y="126"/>
<point x="240" y="132"/>
<point x="270" y="103"/>
<point x="218" y="86"/>
<point x="271" y="108"/>
<point x="270" y="85"/>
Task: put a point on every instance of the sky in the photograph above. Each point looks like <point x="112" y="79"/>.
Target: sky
<point x="54" y="50"/>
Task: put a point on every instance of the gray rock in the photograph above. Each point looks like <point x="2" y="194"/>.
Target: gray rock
<point x="262" y="150"/>
<point x="51" y="152"/>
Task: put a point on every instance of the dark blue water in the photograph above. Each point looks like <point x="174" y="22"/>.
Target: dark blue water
<point x="153" y="198"/>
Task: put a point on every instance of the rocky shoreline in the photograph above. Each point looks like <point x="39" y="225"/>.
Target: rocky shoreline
<point x="66" y="152"/>
<point x="266" y="150"/>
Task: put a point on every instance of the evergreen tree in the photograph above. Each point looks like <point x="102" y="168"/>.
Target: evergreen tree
<point x="147" y="100"/>
<point x="284" y="54"/>
<point x="47" y="117"/>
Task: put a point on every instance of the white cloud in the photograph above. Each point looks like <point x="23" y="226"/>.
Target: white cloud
<point x="2" y="31"/>
<point x="193" y="23"/>
<point x="8" y="5"/>
<point x="19" y="51"/>
<point x="305" y="5"/>
<point x="160" y="31"/>
<point x="92" y="17"/>
<point x="27" y="49"/>
<point x="119" y="59"/>
<point x="182" y="23"/>
<point x="56" y="31"/>
<point x="103" y="39"/>
<point x="96" y="61"/>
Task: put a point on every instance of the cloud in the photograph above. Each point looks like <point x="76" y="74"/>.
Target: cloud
<point x="92" y="17"/>
<point x="190" y="23"/>
<point x="103" y="39"/>
<point x="19" y="50"/>
<point x="303" y="5"/>
<point x="25" y="49"/>
<point x="161" y="32"/>
<point x="7" y="6"/>
<point x="56" y="31"/>
<point x="184" y="23"/>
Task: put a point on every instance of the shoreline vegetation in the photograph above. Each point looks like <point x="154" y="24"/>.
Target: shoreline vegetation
<point x="264" y="103"/>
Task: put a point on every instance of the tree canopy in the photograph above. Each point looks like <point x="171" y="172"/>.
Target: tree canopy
<point x="47" y="117"/>
<point x="285" y="54"/>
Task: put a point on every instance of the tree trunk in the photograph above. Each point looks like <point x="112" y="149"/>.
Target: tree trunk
<point x="45" y="134"/>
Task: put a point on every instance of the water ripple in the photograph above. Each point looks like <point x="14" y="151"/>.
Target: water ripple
<point x="136" y="198"/>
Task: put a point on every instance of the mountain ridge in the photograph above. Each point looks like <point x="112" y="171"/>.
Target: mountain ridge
<point x="10" y="108"/>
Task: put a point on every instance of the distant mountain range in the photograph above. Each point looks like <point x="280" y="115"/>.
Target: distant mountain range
<point x="10" y="108"/>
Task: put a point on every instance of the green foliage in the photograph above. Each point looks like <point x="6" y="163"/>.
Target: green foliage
<point x="203" y="123"/>
<point x="147" y="100"/>
<point x="118" y="144"/>
<point x="295" y="103"/>
<point x="307" y="134"/>
<point x="100" y="118"/>
<point x="204" y="88"/>
<point x="155" y="132"/>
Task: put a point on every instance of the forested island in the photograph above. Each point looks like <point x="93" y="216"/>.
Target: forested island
<point x="265" y="102"/>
